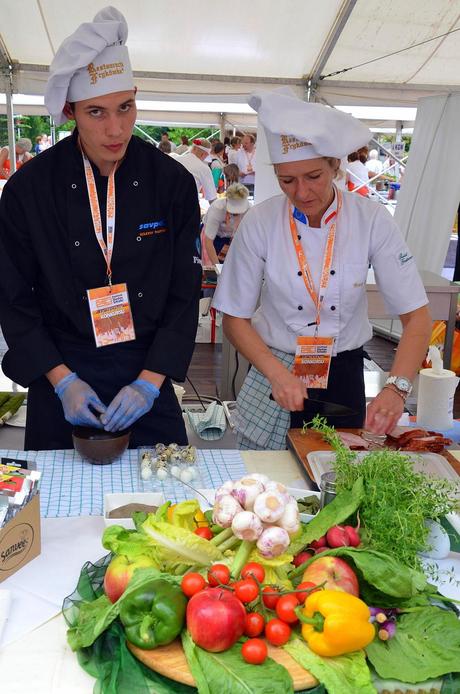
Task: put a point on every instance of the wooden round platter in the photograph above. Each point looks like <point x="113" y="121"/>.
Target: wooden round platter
<point x="170" y="661"/>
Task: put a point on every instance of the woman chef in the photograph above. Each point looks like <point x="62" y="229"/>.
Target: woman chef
<point x="99" y="264"/>
<point x="306" y="254"/>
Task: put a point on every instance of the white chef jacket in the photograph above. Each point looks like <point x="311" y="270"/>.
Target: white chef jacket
<point x="243" y="161"/>
<point x="201" y="172"/>
<point x="262" y="262"/>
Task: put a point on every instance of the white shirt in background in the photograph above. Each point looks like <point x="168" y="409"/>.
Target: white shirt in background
<point x="232" y="156"/>
<point x="375" y="166"/>
<point x="245" y="162"/>
<point x="357" y="173"/>
<point x="201" y="172"/>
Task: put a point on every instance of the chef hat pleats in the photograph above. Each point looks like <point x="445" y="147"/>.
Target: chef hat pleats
<point x="93" y="61"/>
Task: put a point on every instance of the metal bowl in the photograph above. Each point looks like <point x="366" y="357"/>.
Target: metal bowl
<point x="100" y="447"/>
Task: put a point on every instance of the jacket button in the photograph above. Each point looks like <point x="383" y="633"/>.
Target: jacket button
<point x="300" y="273"/>
<point x="299" y="237"/>
<point x="332" y="272"/>
<point x="135" y="183"/>
<point x="138" y="238"/>
<point x="299" y="308"/>
<point x="77" y="243"/>
<point x="73" y="186"/>
<point x="84" y="297"/>
<point x="332" y="308"/>
<point x="140" y="295"/>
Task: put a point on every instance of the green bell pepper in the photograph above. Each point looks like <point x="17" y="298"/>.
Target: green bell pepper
<point x="154" y="614"/>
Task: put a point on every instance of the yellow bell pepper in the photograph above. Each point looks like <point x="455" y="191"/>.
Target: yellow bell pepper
<point x="335" y="622"/>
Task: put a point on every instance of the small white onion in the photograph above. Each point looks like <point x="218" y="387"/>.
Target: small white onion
<point x="162" y="474"/>
<point x="224" y="510"/>
<point x="225" y="488"/>
<point x="193" y="472"/>
<point x="290" y="520"/>
<point x="273" y="486"/>
<point x="273" y="542"/>
<point x="259" y="477"/>
<point x="175" y="470"/>
<point x="247" y="526"/>
<point x="246" y="490"/>
<point x="269" y="506"/>
<point x="146" y="473"/>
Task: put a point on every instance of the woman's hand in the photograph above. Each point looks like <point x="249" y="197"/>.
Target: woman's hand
<point x="289" y="391"/>
<point x="384" y="411"/>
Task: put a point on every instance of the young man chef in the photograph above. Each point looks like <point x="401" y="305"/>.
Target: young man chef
<point x="99" y="262"/>
<point x="306" y="254"/>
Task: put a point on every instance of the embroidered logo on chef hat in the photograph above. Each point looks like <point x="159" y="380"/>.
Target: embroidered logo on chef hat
<point x="93" y="61"/>
<point x="296" y="130"/>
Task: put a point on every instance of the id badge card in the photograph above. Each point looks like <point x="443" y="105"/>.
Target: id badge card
<point x="312" y="360"/>
<point x="111" y="315"/>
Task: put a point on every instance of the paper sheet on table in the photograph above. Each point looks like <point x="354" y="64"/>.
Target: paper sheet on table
<point x="42" y="585"/>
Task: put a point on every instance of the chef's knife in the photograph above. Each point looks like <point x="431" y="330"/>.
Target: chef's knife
<point x="325" y="409"/>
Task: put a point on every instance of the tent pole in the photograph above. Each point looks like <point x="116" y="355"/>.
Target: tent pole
<point x="10" y="120"/>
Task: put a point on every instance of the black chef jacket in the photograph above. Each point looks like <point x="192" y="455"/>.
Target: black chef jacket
<point x="49" y="257"/>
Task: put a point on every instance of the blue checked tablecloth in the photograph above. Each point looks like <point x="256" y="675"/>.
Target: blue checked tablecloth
<point x="71" y="486"/>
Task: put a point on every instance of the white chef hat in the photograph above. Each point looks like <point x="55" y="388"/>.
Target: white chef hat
<point x="205" y="146"/>
<point x="297" y="129"/>
<point x="93" y="61"/>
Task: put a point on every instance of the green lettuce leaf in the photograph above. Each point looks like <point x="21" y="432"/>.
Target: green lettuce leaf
<point x="175" y="545"/>
<point x="130" y="543"/>
<point x="337" y="511"/>
<point x="96" y="615"/>
<point x="426" y="645"/>
<point x="228" y="673"/>
<point x="344" y="674"/>
<point x="183" y="514"/>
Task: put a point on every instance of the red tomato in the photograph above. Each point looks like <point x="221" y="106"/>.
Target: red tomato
<point x="254" y="651"/>
<point x="285" y="608"/>
<point x="270" y="596"/>
<point x="253" y="624"/>
<point x="253" y="570"/>
<point x="205" y="533"/>
<point x="301" y="597"/>
<point x="246" y="590"/>
<point x="277" y="632"/>
<point x="192" y="583"/>
<point x="219" y="574"/>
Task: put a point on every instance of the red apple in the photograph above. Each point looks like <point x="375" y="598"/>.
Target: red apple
<point x="119" y="573"/>
<point x="335" y="572"/>
<point x="215" y="619"/>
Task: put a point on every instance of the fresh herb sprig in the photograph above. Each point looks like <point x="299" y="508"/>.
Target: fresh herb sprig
<point x="397" y="499"/>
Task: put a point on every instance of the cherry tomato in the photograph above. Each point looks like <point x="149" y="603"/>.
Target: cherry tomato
<point x="270" y="600"/>
<point x="192" y="583"/>
<point x="277" y="632"/>
<point x="253" y="624"/>
<point x="285" y="608"/>
<point x="254" y="651"/>
<point x="246" y="590"/>
<point x="219" y="574"/>
<point x="205" y="533"/>
<point x="301" y="597"/>
<point x="253" y="570"/>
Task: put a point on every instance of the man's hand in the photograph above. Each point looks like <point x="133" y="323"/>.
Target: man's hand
<point x="384" y="411"/>
<point x="77" y="397"/>
<point x="130" y="403"/>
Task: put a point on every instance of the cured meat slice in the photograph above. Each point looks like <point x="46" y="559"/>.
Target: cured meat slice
<point x="353" y="441"/>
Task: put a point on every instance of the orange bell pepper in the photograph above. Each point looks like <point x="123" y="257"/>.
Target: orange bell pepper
<point x="335" y="622"/>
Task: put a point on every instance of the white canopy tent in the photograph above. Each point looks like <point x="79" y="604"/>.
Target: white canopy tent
<point x="346" y="53"/>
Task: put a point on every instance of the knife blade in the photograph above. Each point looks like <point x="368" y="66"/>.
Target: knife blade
<point x="325" y="409"/>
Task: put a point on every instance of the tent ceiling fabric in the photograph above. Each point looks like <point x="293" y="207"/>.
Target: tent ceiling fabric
<point x="210" y="51"/>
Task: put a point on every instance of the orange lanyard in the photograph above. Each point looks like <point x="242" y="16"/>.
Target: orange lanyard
<point x="107" y="249"/>
<point x="304" y="267"/>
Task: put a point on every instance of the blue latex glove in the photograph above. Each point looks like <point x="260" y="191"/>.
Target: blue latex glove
<point x="76" y="397"/>
<point x="130" y="403"/>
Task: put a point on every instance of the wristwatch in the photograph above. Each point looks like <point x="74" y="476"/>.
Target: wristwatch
<point x="401" y="383"/>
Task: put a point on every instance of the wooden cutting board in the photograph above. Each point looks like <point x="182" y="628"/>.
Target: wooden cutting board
<point x="302" y="444"/>
<point x="170" y="661"/>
